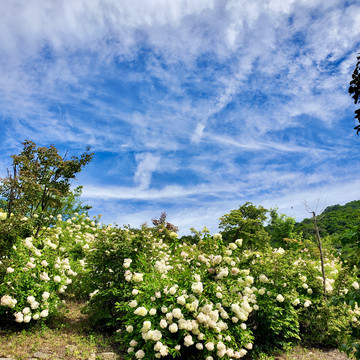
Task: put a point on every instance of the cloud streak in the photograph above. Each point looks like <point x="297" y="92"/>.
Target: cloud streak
<point x="186" y="104"/>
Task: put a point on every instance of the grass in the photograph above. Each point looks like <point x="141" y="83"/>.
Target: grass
<point x="68" y="336"/>
<point x="71" y="336"/>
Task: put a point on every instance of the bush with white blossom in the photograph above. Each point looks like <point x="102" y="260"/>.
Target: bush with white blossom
<point x="36" y="271"/>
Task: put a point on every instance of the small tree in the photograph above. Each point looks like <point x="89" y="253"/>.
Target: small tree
<point x="247" y="223"/>
<point x="281" y="229"/>
<point x="40" y="183"/>
<point x="354" y="91"/>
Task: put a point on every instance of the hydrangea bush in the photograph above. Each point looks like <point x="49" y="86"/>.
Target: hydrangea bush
<point x="210" y="301"/>
<point x="36" y="271"/>
<point x="182" y="298"/>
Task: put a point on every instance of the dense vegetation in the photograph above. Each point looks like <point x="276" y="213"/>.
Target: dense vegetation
<point x="263" y="282"/>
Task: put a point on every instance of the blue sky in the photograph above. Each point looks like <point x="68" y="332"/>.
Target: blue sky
<point x="191" y="107"/>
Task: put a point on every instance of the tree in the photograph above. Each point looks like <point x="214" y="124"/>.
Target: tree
<point x="354" y="91"/>
<point x="39" y="186"/>
<point x="162" y="224"/>
<point x="281" y="229"/>
<point x="246" y="223"/>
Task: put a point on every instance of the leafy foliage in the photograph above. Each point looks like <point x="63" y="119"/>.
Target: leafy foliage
<point x="40" y="183"/>
<point x="246" y="223"/>
<point x="354" y="90"/>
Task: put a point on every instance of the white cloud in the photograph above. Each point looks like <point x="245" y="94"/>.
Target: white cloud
<point x="147" y="164"/>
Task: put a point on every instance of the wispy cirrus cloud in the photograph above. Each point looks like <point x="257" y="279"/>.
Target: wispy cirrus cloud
<point x="188" y="105"/>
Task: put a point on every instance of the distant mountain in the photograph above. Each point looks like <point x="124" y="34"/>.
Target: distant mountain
<point x="334" y="219"/>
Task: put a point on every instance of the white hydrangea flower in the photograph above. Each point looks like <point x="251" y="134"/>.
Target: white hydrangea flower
<point x="141" y="311"/>
<point x="188" y="341"/>
<point x="210" y="346"/>
<point x="140" y="354"/>
<point x="19" y="317"/>
<point x="44" y="313"/>
<point x="129" y="328"/>
<point x="173" y="328"/>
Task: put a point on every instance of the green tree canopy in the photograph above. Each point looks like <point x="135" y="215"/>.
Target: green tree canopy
<point x="39" y="186"/>
<point x="281" y="228"/>
<point x="246" y="223"/>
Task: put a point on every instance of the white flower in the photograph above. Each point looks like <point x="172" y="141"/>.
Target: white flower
<point x="44" y="276"/>
<point x="36" y="316"/>
<point x="163" y="323"/>
<point x="45" y="295"/>
<point x="137" y="277"/>
<point x="249" y="346"/>
<point x="133" y="343"/>
<point x="26" y="310"/>
<point x="232" y="246"/>
<point x="135" y="292"/>
<point x="172" y="290"/>
<point x="176" y="313"/>
<point x="197" y="287"/>
<point x="307" y="303"/>
<point x="57" y="278"/>
<point x="355" y="285"/>
<point x="34" y="305"/>
<point x="129" y="328"/>
<point x="141" y="311"/>
<point x="27" y="318"/>
<point x="199" y="346"/>
<point x="156" y="335"/>
<point x="10" y="270"/>
<point x="181" y="300"/>
<point x="30" y="299"/>
<point x="152" y="311"/>
<point x="146" y="326"/>
<point x="173" y="328"/>
<point x="127" y="263"/>
<point x="19" y="317"/>
<point x="217" y="236"/>
<point x="133" y="303"/>
<point x="296" y="302"/>
<point x="7" y="300"/>
<point x="188" y="341"/>
<point x="139" y="354"/>
<point x="210" y="346"/>
<point x="280" y="298"/>
<point x="30" y="265"/>
<point x="44" y="263"/>
<point x="242" y="352"/>
<point x="261" y="291"/>
<point x="44" y="313"/>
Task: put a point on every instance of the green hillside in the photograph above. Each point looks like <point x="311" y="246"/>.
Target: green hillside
<point x="334" y="220"/>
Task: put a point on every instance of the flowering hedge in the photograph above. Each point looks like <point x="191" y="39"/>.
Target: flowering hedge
<point x="170" y="297"/>
<point x="36" y="271"/>
<point x="209" y="301"/>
